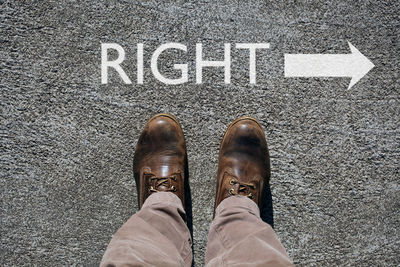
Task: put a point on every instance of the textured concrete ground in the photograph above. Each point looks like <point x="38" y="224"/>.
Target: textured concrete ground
<point x="67" y="141"/>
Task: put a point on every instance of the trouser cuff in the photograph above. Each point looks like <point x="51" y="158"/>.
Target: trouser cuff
<point x="163" y="197"/>
<point x="238" y="202"/>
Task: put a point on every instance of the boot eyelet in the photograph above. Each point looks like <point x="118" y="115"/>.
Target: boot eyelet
<point x="231" y="191"/>
<point x="231" y="182"/>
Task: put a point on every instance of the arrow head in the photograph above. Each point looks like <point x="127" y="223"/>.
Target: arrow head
<point x="361" y="65"/>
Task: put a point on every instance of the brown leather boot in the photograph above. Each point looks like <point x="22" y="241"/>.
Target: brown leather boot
<point x="243" y="164"/>
<point x="160" y="158"/>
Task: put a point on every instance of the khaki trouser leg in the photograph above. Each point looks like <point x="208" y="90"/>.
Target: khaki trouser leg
<point x="238" y="237"/>
<point x="156" y="235"/>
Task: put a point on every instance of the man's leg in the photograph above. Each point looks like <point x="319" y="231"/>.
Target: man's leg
<point x="157" y="235"/>
<point x="238" y="236"/>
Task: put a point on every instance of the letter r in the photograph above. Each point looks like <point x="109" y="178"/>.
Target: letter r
<point x="105" y="64"/>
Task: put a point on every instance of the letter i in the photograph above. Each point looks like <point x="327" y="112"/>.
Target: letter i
<point x="140" y="63"/>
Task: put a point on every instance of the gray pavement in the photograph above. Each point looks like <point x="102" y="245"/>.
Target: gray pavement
<point x="67" y="141"/>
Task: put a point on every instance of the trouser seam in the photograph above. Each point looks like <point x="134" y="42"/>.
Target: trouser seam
<point x="221" y="237"/>
<point x="187" y="254"/>
<point x="224" y="243"/>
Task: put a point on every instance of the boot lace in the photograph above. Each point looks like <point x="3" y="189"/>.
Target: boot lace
<point x="167" y="181"/>
<point x="241" y="188"/>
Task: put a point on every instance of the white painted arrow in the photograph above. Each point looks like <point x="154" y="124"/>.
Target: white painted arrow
<point x="354" y="65"/>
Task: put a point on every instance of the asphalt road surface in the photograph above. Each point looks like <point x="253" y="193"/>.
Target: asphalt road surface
<point x="67" y="141"/>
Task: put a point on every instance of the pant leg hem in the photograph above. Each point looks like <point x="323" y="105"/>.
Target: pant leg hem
<point x="163" y="197"/>
<point x="238" y="201"/>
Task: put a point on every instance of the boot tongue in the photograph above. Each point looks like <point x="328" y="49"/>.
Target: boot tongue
<point x="165" y="186"/>
<point x="164" y="178"/>
<point x="162" y="188"/>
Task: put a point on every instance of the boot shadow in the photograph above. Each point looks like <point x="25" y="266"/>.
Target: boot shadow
<point x="188" y="204"/>
<point x="267" y="211"/>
